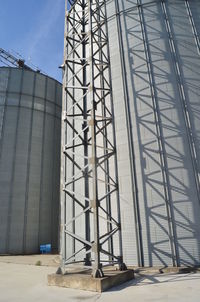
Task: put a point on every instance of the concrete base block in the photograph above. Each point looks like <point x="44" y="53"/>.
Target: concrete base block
<point x="85" y="281"/>
<point x="165" y="270"/>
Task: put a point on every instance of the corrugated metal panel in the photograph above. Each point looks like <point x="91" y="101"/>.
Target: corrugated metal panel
<point x="155" y="62"/>
<point x="150" y="83"/>
<point x="29" y="161"/>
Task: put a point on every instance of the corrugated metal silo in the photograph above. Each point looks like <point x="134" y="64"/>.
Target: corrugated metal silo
<point x="30" y="111"/>
<point x="155" y="62"/>
<point x="156" y="84"/>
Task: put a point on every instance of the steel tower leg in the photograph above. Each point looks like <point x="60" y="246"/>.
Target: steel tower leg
<point x="89" y="162"/>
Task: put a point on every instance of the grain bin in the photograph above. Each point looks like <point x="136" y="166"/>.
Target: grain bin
<point x="30" y="110"/>
<point x="158" y="83"/>
<point x="155" y="62"/>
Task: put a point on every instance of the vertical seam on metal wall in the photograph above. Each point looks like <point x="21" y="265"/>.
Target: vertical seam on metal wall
<point x="3" y="114"/>
<point x="5" y="111"/>
<point x="194" y="30"/>
<point x="42" y="163"/>
<point x="138" y="229"/>
<point x="13" y="166"/>
<point x="53" y="199"/>
<point x="161" y="143"/>
<point x="28" y="168"/>
<point x="2" y="136"/>
<point x="186" y="114"/>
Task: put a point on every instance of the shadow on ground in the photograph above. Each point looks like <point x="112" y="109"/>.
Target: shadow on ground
<point x="157" y="278"/>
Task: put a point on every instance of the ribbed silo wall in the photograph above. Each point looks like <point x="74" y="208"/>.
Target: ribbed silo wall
<point x="30" y="111"/>
<point x="155" y="62"/>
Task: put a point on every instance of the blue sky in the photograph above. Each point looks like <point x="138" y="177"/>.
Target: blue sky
<point x="34" y="29"/>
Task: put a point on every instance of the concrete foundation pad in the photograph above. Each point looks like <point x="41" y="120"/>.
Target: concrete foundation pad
<point x="165" y="270"/>
<point x="85" y="281"/>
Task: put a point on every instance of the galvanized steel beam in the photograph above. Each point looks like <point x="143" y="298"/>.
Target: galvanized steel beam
<point x="89" y="145"/>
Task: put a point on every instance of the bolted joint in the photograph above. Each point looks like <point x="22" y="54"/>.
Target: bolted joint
<point x="85" y="173"/>
<point x="96" y="248"/>
<point x="93" y="160"/>
<point x="91" y="88"/>
<point x="119" y="226"/>
<point x="122" y="265"/>
<point x="94" y="203"/>
<point x="64" y="116"/>
<point x="92" y="122"/>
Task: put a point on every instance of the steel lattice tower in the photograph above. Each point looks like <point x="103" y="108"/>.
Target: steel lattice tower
<point x="89" y="163"/>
